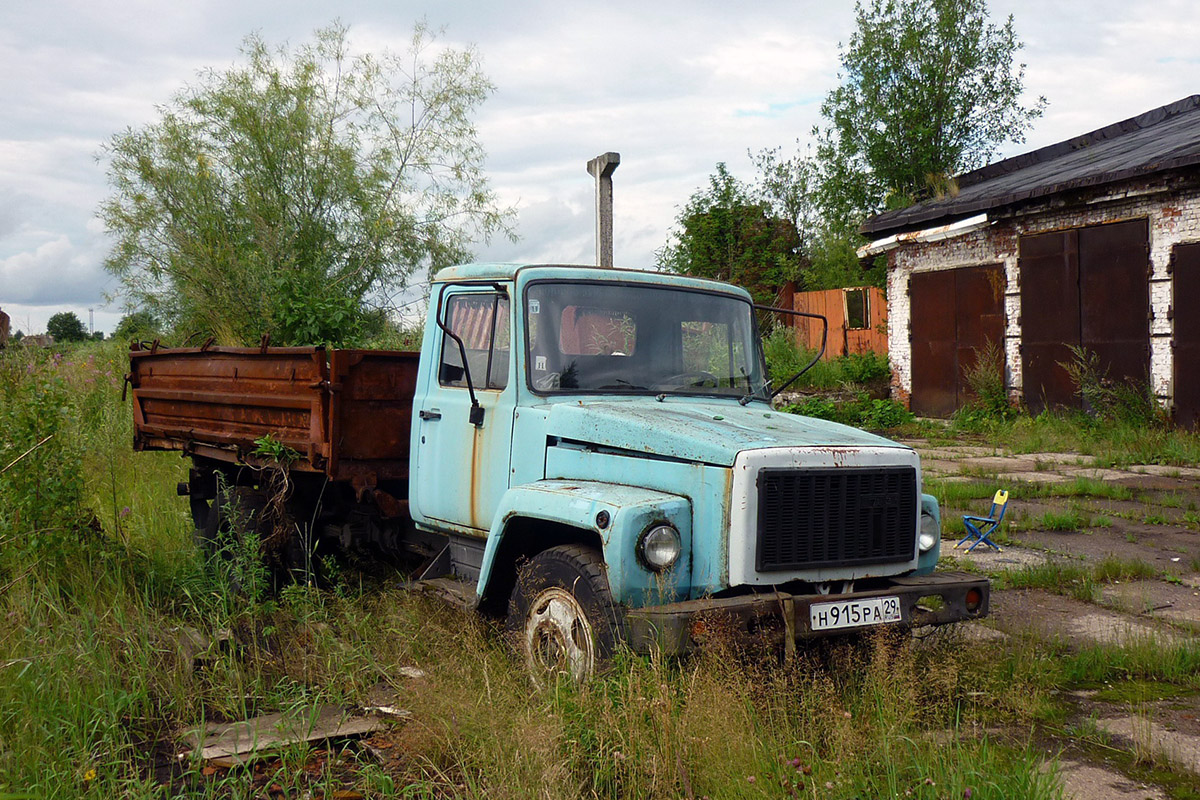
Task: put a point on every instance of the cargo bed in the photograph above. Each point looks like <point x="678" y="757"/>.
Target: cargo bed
<point x="347" y="413"/>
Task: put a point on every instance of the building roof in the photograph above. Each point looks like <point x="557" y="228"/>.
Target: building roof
<point x="1163" y="139"/>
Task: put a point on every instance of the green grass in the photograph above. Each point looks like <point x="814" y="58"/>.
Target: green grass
<point x="1139" y="661"/>
<point x="1075" y="579"/>
<point x="1082" y="487"/>
<point x="1068" y="519"/>
<point x="1113" y="443"/>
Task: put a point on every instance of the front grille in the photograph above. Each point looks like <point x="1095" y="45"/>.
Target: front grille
<point x="835" y="517"/>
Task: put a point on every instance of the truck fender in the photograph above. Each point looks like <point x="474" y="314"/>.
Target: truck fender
<point x="609" y="516"/>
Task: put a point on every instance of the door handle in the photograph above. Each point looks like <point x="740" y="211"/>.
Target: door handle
<point x="429" y="415"/>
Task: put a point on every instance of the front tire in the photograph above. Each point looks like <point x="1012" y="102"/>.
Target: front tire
<point x="562" y="615"/>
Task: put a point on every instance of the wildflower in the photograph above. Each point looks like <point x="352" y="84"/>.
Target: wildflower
<point x="125" y="512"/>
<point x="750" y="779"/>
<point x="90" y="775"/>
<point x="967" y="792"/>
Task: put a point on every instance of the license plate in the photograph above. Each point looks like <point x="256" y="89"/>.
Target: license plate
<point x="854" y="613"/>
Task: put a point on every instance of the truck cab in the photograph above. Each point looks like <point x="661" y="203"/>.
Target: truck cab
<point x="599" y="449"/>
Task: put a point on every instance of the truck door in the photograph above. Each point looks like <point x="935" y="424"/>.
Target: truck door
<point x="462" y="469"/>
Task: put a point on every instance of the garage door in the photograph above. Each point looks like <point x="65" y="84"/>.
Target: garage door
<point x="1083" y="287"/>
<point x="1185" y="284"/>
<point x="955" y="313"/>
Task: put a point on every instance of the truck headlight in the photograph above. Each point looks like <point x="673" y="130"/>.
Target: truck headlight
<point x="659" y="547"/>
<point x="930" y="533"/>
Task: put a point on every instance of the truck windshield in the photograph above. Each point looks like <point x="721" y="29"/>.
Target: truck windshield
<point x="639" y="339"/>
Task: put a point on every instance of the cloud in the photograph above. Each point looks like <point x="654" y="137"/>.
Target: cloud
<point x="55" y="271"/>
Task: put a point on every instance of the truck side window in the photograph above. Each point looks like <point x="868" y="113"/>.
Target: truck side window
<point x="482" y="322"/>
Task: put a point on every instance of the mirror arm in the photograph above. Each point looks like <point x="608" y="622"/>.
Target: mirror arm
<point x="824" y="338"/>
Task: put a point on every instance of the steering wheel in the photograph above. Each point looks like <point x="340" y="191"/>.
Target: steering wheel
<point x="696" y="377"/>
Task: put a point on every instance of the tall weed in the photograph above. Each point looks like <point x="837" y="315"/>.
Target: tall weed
<point x="1110" y="399"/>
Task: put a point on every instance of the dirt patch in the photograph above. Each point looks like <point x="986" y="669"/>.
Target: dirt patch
<point x="1085" y="781"/>
<point x="1055" y="617"/>
<point x="988" y="560"/>
<point x="1144" y="735"/>
<point x="1175" y="603"/>
<point x="1164" y="549"/>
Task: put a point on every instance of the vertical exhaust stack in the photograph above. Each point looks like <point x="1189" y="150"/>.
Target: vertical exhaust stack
<point x="602" y="167"/>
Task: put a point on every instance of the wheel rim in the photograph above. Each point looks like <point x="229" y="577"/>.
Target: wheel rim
<point x="558" y="637"/>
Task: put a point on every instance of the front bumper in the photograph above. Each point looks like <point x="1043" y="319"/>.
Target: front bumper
<point x="676" y="628"/>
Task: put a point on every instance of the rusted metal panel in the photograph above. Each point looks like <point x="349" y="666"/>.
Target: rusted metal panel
<point x="934" y="343"/>
<point x="1088" y="288"/>
<point x="370" y="413"/>
<point x="1049" y="265"/>
<point x="229" y="397"/>
<point x="955" y="314"/>
<point x="979" y="319"/>
<point x="1114" y="297"/>
<point x="845" y="337"/>
<point x="349" y="418"/>
<point x="1185" y="318"/>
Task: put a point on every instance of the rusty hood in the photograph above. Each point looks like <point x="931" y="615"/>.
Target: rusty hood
<point x="698" y="430"/>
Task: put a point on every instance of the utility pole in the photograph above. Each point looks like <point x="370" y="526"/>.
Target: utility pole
<point x="602" y="167"/>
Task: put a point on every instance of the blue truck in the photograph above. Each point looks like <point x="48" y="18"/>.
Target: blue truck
<point x="590" y="454"/>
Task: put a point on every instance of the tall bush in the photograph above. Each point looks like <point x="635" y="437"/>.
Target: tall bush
<point x="41" y="478"/>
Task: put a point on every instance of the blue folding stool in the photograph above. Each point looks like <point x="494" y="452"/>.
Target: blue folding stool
<point x="981" y="528"/>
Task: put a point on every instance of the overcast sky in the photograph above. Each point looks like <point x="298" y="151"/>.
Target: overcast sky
<point x="674" y="87"/>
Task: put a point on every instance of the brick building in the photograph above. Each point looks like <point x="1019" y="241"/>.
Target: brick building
<point x="1093" y="242"/>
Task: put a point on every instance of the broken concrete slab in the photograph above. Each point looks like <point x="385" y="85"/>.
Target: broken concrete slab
<point x="933" y="465"/>
<point x="988" y="560"/>
<point x="1095" y="473"/>
<point x="1165" y="471"/>
<point x="1032" y="477"/>
<point x="1159" y="599"/>
<point x="955" y="453"/>
<point x="1084" y="781"/>
<point x="999" y="464"/>
<point x="955" y="478"/>
<point x="1076" y="459"/>
<point x="1148" y="736"/>
<point x="242" y="741"/>
<point x="1054" y="616"/>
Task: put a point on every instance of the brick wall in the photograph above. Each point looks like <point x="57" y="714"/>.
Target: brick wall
<point x="1174" y="217"/>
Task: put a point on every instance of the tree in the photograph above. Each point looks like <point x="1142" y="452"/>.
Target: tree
<point x="791" y="188"/>
<point x="66" y="327"/>
<point x="929" y="90"/>
<point x="292" y="193"/>
<point x="136" y="325"/>
<point x="725" y="234"/>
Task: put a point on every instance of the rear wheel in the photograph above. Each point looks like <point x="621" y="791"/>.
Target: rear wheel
<point x="562" y="615"/>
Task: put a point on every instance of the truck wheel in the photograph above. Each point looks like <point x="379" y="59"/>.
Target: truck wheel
<point x="235" y="511"/>
<point x="561" y="614"/>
